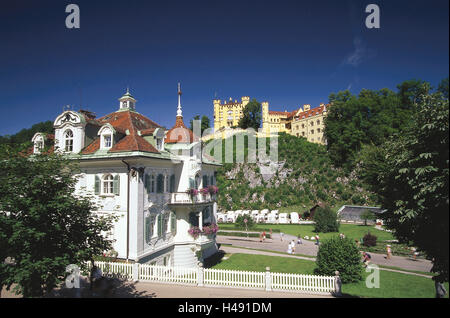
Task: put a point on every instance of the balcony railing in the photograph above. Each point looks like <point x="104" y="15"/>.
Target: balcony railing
<point x="185" y="198"/>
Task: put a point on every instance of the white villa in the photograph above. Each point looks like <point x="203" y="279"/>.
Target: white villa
<point x="139" y="171"/>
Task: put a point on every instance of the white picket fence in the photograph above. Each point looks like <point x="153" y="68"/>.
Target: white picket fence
<point x="198" y="276"/>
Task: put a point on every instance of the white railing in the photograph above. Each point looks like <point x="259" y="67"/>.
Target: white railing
<point x="199" y="276"/>
<point x="231" y="278"/>
<point x="115" y="269"/>
<point x="164" y="274"/>
<point x="303" y="283"/>
<point x="185" y="198"/>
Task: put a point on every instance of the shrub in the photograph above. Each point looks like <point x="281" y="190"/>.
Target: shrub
<point x="240" y="223"/>
<point x="339" y="254"/>
<point x="325" y="220"/>
<point x="369" y="240"/>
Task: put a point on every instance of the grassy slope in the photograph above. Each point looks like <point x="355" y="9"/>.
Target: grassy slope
<point x="392" y="285"/>
<point x="350" y="230"/>
<point x="311" y="179"/>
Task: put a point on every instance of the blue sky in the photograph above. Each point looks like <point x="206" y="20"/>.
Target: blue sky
<point x="289" y="53"/>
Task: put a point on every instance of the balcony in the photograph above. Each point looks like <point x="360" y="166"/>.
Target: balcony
<point x="182" y="198"/>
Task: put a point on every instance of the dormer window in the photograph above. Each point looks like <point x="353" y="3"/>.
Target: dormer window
<point x="68" y="140"/>
<point x="107" y="141"/>
<point x="38" y="143"/>
<point x="159" y="143"/>
<point x="106" y="134"/>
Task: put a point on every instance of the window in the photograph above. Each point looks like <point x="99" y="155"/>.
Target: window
<point x="159" y="143"/>
<point x="68" y="137"/>
<point x="205" y="181"/>
<point x="108" y="184"/>
<point x="318" y="130"/>
<point x="38" y="146"/>
<point x="107" y="141"/>
<point x="173" y="223"/>
<point x="318" y="122"/>
<point x="149" y="228"/>
<point x="160" y="183"/>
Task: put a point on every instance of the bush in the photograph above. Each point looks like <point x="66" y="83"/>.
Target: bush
<point x="325" y="220"/>
<point x="240" y="223"/>
<point x="337" y="254"/>
<point x="369" y="240"/>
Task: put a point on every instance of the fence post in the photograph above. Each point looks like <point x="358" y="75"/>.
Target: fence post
<point x="135" y="272"/>
<point x="200" y="275"/>
<point x="337" y="284"/>
<point x="268" y="279"/>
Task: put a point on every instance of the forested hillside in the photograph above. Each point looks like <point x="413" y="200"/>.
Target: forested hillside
<point x="302" y="177"/>
<point x="25" y="135"/>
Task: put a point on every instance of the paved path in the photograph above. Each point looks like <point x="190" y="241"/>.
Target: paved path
<point x="155" y="290"/>
<point x="309" y="248"/>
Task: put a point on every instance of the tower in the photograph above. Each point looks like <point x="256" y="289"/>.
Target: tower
<point x="127" y="102"/>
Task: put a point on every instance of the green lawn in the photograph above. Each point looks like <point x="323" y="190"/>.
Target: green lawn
<point x="352" y="231"/>
<point x="392" y="285"/>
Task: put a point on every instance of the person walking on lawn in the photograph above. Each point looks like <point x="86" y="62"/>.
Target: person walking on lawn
<point x="264" y="236"/>
<point x="388" y="252"/>
<point x="317" y="239"/>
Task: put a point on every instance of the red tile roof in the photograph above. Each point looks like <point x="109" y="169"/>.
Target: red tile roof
<point x="180" y="133"/>
<point x="126" y="123"/>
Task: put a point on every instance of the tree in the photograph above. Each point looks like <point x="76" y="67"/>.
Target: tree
<point x="339" y="254"/>
<point x="367" y="119"/>
<point x="25" y="135"/>
<point x="325" y="220"/>
<point x="367" y="215"/>
<point x="44" y="226"/>
<point x="241" y="223"/>
<point x="251" y="115"/>
<point x="204" y="123"/>
<point x="413" y="182"/>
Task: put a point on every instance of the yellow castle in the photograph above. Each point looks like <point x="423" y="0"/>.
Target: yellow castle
<point x="304" y="122"/>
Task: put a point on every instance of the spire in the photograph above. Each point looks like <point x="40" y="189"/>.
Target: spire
<point x="179" y="112"/>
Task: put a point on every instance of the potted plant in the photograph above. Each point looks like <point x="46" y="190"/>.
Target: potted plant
<point x="192" y="192"/>
<point x="194" y="231"/>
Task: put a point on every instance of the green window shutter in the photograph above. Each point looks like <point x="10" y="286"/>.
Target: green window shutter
<point x="205" y="181"/>
<point x="173" y="222"/>
<point x="116" y="185"/>
<point x="212" y="180"/>
<point x="172" y="183"/>
<point x="147" y="183"/>
<point x="191" y="183"/>
<point x="97" y="185"/>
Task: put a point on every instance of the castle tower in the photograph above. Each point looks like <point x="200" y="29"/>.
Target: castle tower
<point x="265" y="116"/>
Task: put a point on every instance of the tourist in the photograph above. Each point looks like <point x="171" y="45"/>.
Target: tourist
<point x="289" y="248"/>
<point x="317" y="239"/>
<point x="366" y="258"/>
<point x="293" y="246"/>
<point x="281" y="236"/>
<point x="299" y="240"/>
<point x="264" y="236"/>
<point x="388" y="252"/>
<point x="260" y="237"/>
<point x="342" y="236"/>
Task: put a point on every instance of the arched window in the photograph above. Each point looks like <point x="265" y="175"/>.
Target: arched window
<point x="108" y="184"/>
<point x="68" y="140"/>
